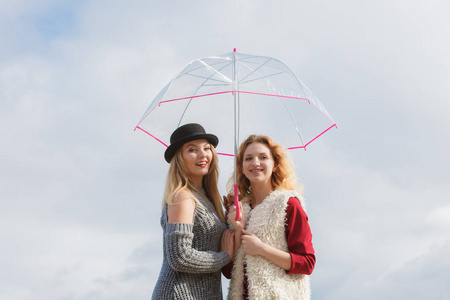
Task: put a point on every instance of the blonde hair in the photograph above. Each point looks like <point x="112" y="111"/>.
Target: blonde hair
<point x="178" y="179"/>
<point x="282" y="178"/>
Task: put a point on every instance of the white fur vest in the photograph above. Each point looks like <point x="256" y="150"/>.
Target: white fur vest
<point x="265" y="279"/>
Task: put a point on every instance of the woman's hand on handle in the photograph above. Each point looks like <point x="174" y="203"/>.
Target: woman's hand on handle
<point x="238" y="225"/>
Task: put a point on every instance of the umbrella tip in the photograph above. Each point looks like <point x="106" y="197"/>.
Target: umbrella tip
<point x="234" y="50"/>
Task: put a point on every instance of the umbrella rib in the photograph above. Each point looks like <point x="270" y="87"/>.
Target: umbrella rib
<point x="207" y="78"/>
<point x="184" y="112"/>
<point x="293" y="121"/>
<point x="212" y="64"/>
<point x="253" y="71"/>
<point x="216" y="71"/>
<point x="223" y="84"/>
<point x="275" y="74"/>
<point x="190" y="100"/>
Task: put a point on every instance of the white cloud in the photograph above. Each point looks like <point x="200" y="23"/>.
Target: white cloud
<point x="440" y="216"/>
<point x="365" y="226"/>
<point x="424" y="276"/>
<point x="56" y="260"/>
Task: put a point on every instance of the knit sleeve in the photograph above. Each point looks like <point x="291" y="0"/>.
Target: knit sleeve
<point x="183" y="257"/>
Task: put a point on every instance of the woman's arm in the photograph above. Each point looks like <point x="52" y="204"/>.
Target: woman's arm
<point x="178" y="240"/>
<point x="252" y="245"/>
<point x="299" y="239"/>
<point x="183" y="257"/>
<point x="300" y="258"/>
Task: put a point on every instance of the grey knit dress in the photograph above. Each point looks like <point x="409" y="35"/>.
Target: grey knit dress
<point x="192" y="259"/>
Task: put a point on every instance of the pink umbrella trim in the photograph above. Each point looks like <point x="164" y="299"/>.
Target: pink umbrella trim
<point x="225" y="92"/>
<point x="291" y="148"/>
<point x="151" y="136"/>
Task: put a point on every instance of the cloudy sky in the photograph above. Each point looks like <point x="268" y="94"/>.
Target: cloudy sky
<point x="80" y="191"/>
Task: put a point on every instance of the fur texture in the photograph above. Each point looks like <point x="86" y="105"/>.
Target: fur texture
<point x="265" y="279"/>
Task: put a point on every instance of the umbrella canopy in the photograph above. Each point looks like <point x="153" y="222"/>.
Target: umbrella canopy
<point x="234" y="95"/>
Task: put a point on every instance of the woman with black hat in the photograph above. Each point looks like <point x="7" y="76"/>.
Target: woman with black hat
<point x="197" y="243"/>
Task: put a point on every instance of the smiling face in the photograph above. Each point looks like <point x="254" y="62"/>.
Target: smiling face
<point x="258" y="164"/>
<point x="197" y="156"/>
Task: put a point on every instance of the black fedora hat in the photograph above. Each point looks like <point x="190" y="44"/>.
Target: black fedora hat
<point x="186" y="133"/>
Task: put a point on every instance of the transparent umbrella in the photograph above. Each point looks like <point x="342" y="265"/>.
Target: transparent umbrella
<point x="234" y="95"/>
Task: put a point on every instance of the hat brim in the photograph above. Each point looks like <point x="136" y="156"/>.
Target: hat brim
<point x="172" y="149"/>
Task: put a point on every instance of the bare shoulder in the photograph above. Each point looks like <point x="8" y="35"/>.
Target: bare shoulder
<point x="182" y="196"/>
<point x="182" y="210"/>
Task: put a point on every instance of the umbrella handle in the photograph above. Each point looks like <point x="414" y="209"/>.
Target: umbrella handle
<point x="236" y="203"/>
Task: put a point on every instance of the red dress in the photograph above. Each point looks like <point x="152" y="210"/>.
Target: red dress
<point x="299" y="242"/>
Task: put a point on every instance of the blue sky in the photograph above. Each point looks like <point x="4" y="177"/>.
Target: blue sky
<point x="81" y="192"/>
